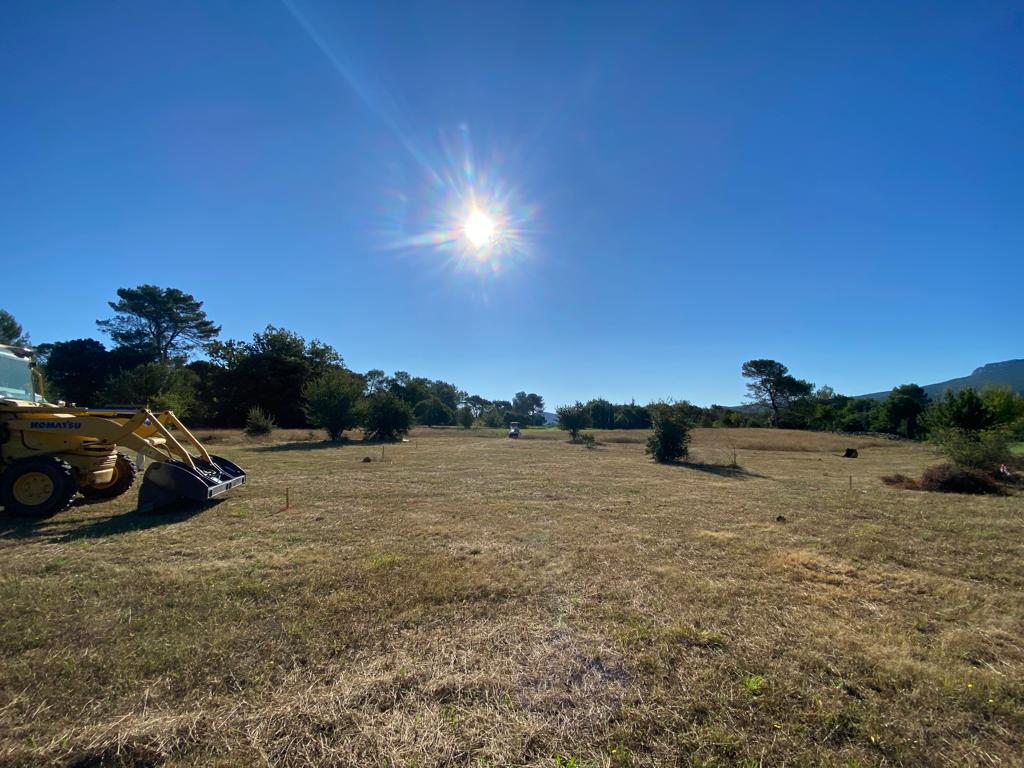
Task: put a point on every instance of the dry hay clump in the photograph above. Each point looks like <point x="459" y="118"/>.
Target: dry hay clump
<point x="948" y="478"/>
<point x="900" y="480"/>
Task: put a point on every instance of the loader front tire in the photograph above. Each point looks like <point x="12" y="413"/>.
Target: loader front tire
<point x="123" y="479"/>
<point x="37" y="487"/>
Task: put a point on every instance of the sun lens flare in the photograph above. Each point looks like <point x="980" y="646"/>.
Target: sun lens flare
<point x="469" y="214"/>
<point x="479" y="229"/>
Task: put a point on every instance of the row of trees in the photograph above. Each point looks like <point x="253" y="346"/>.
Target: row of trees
<point x="782" y="400"/>
<point x="973" y="428"/>
<point x="167" y="353"/>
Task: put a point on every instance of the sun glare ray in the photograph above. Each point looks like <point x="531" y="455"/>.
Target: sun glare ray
<point x="455" y="205"/>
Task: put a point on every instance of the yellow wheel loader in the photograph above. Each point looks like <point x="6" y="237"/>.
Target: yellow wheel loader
<point x="49" y="453"/>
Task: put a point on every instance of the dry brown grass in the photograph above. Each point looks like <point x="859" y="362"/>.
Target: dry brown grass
<point x="467" y="600"/>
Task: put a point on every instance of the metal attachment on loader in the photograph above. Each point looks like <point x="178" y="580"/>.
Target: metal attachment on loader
<point x="177" y="474"/>
<point x="169" y="481"/>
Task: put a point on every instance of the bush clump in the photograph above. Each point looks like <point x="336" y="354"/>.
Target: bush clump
<point x="976" y="449"/>
<point x="332" y="401"/>
<point x="670" y="440"/>
<point x="259" y="423"/>
<point x="387" y="417"/>
<point x="949" y="478"/>
<point x="465" y="417"/>
<point x="573" y="419"/>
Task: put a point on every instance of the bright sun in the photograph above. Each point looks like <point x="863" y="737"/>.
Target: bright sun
<point x="479" y="228"/>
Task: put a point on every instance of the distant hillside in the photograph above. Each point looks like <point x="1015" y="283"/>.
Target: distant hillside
<point x="1007" y="373"/>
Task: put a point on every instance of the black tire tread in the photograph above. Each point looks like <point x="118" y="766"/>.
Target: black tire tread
<point x="64" y="472"/>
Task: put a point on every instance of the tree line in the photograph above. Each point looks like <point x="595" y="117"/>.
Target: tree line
<point x="974" y="428"/>
<point x="166" y="353"/>
<point x="780" y="399"/>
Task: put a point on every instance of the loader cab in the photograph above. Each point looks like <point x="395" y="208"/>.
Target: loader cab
<point x="17" y="379"/>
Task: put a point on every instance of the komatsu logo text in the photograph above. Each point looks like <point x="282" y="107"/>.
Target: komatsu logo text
<point x="56" y="425"/>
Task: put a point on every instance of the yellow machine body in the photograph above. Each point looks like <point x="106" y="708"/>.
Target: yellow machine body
<point x="84" y="443"/>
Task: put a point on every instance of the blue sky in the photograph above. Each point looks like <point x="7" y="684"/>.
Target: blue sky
<point x="682" y="186"/>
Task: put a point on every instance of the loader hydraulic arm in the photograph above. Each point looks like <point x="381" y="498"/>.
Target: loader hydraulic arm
<point x="146" y="433"/>
<point x="141" y="431"/>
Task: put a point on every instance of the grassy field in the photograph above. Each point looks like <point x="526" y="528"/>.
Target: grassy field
<point x="463" y="599"/>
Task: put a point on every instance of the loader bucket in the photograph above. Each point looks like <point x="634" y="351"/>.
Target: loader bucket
<point x="167" y="482"/>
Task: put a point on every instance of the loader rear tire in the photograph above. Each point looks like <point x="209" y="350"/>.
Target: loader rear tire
<point x="123" y="479"/>
<point x="37" y="487"/>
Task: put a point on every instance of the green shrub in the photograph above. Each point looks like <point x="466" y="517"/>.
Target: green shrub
<point x="978" y="449"/>
<point x="332" y="401"/>
<point x="465" y="417"/>
<point x="1006" y="408"/>
<point x="573" y="418"/>
<point x="387" y="417"/>
<point x="670" y="439"/>
<point x="259" y="423"/>
<point x="975" y="430"/>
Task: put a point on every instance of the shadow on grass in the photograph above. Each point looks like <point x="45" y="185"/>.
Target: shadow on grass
<point x="736" y="473"/>
<point x="316" y="445"/>
<point x="57" y="530"/>
<point x="304" y="445"/>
